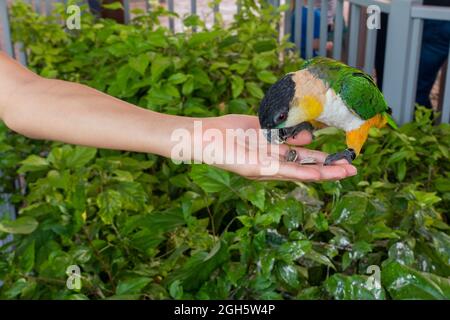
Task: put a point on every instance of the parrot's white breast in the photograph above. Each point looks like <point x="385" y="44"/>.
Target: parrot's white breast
<point x="336" y="114"/>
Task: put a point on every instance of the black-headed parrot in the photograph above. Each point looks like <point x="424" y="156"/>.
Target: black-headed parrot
<point x="325" y="92"/>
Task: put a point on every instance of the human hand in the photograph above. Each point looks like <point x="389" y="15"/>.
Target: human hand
<point x="279" y="169"/>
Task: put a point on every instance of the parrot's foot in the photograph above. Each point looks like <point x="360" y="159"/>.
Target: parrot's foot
<point x="281" y="135"/>
<point x="286" y="133"/>
<point x="347" y="154"/>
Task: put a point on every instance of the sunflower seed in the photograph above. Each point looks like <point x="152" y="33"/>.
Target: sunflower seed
<point x="308" y="161"/>
<point x="291" y="155"/>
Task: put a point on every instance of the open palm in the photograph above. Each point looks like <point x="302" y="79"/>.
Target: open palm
<point x="284" y="170"/>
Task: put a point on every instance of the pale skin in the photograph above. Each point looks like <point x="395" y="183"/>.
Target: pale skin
<point x="57" y="110"/>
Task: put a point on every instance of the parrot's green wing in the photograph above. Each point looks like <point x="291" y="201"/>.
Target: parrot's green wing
<point x="356" y="88"/>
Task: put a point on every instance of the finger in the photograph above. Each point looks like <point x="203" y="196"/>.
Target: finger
<point x="316" y="155"/>
<point x="304" y="153"/>
<point x="290" y="171"/>
<point x="301" y="138"/>
<point x="335" y="172"/>
<point x="293" y="171"/>
<point x="351" y="170"/>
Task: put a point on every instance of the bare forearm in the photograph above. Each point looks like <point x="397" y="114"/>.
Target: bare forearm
<point x="76" y="114"/>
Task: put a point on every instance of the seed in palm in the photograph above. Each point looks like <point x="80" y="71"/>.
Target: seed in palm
<point x="291" y="155"/>
<point x="308" y="161"/>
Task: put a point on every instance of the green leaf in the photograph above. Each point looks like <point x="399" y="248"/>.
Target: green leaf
<point x="379" y="230"/>
<point x="16" y="288"/>
<point x="241" y="67"/>
<point x="293" y="250"/>
<point x="442" y="184"/>
<point x="210" y="179"/>
<point x="199" y="266"/>
<point x="159" y="65"/>
<point x="157" y="221"/>
<point x="255" y="193"/>
<point x="265" y="45"/>
<point x="404" y="282"/>
<point x="113" y="6"/>
<point x="320" y="258"/>
<point x="238" y="106"/>
<point x="321" y="222"/>
<point x="80" y="156"/>
<point x="426" y="198"/>
<point x="22" y="225"/>
<point x="81" y="254"/>
<point x="109" y="203"/>
<point x="292" y="211"/>
<point x="287" y="274"/>
<point x="401" y="252"/>
<point x="132" y="195"/>
<point x="254" y="90"/>
<point x="237" y="85"/>
<point x="188" y="86"/>
<point x="27" y="256"/>
<point x="350" y="209"/>
<point x="263" y="60"/>
<point x="266" y="76"/>
<point x="176" y="290"/>
<point x="203" y="38"/>
<point x="140" y="63"/>
<point x="157" y="39"/>
<point x="342" y="287"/>
<point x="311" y="293"/>
<point x="200" y="77"/>
<point x="132" y="285"/>
<point x="33" y="163"/>
<point x="147" y="241"/>
<point x="401" y="172"/>
<point x="360" y="249"/>
<point x="178" y="78"/>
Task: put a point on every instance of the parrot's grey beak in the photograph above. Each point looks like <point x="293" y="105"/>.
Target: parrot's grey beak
<point x="279" y="136"/>
<point x="274" y="136"/>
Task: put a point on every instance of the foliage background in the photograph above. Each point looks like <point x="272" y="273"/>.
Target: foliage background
<point x="141" y="227"/>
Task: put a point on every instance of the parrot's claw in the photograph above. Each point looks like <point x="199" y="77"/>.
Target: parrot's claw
<point x="279" y="136"/>
<point x="286" y="133"/>
<point x="347" y="154"/>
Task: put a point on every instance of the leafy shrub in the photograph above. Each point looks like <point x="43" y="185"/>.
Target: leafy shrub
<point x="141" y="227"/>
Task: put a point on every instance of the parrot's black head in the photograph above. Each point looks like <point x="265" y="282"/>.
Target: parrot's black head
<point x="274" y="107"/>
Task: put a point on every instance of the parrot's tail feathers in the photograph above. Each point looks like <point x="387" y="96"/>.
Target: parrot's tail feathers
<point x="390" y="121"/>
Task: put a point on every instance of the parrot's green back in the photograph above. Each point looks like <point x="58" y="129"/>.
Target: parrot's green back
<point x="357" y="89"/>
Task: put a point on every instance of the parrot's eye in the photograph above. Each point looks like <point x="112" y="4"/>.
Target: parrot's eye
<point x="280" y="118"/>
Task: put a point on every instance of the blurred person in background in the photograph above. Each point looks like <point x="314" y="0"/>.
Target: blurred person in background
<point x="330" y="13"/>
<point x="433" y="53"/>
<point x="316" y="26"/>
<point x="96" y="9"/>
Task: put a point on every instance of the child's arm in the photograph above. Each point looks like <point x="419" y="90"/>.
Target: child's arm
<point x="74" y="113"/>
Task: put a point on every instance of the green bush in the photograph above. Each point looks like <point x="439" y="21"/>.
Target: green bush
<point x="140" y="226"/>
